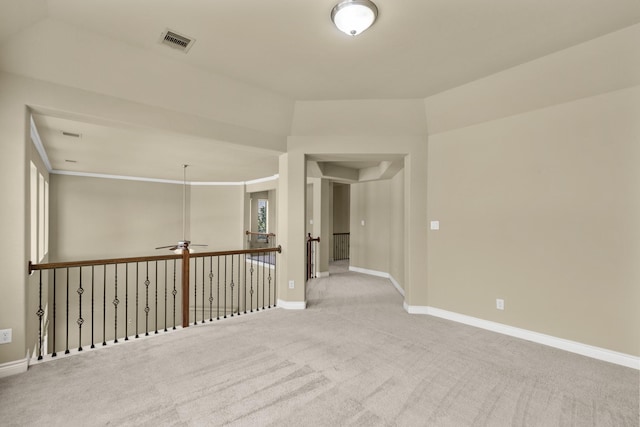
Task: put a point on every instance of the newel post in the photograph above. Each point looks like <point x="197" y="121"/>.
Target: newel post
<point x="185" y="285"/>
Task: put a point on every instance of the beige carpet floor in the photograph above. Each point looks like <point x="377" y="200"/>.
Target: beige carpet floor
<point x="354" y="357"/>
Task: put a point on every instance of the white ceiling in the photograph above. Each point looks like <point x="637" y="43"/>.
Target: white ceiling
<point x="417" y="48"/>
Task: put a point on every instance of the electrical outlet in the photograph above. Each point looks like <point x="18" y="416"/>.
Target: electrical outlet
<point x="5" y="336"/>
<point x="292" y="284"/>
<point x="500" y="304"/>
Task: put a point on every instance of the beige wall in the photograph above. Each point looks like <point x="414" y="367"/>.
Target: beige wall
<point x="341" y="206"/>
<point x="396" y="228"/>
<point x="541" y="209"/>
<point x="102" y="218"/>
<point x="96" y="218"/>
<point x="379" y="244"/>
<point x="370" y="202"/>
<point x="217" y="217"/>
<point x="14" y="227"/>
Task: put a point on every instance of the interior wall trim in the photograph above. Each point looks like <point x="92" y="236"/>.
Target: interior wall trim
<point x="599" y="353"/>
<point x="370" y="272"/>
<point x="379" y="274"/>
<point x="292" y="305"/>
<point x="136" y="178"/>
<point x="396" y="285"/>
<point x="13" y="368"/>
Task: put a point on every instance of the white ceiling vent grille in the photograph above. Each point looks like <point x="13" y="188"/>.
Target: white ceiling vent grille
<point x="177" y="41"/>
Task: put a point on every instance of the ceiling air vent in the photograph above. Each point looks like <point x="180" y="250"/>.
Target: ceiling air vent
<point x="177" y="41"/>
<point x="71" y="134"/>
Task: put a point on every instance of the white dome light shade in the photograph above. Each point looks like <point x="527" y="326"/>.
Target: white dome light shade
<point x="354" y="16"/>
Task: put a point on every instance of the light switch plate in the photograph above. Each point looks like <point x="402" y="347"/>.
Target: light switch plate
<point x="435" y="225"/>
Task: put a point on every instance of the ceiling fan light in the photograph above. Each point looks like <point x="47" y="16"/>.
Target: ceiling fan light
<point x="354" y="16"/>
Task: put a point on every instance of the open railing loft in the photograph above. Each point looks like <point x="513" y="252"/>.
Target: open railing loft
<point x="156" y="290"/>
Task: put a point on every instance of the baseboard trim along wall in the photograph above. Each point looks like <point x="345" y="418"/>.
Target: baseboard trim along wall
<point x="551" y="341"/>
<point x="322" y="274"/>
<point x="379" y="274"/>
<point x="292" y="305"/>
<point x="14" y="368"/>
<point x="370" y="272"/>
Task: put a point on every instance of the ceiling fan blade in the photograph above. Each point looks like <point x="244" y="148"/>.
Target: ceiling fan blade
<point x="196" y="244"/>
<point x="165" y="247"/>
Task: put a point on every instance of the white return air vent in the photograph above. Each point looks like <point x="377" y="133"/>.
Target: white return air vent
<point x="177" y="41"/>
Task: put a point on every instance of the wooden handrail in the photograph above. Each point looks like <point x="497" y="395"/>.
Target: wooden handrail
<point x="259" y="234"/>
<point x="236" y="252"/>
<point x="87" y="263"/>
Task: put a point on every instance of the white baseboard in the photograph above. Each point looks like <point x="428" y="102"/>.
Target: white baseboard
<point x="396" y="285"/>
<point x="370" y="272"/>
<point x="563" y="344"/>
<point x="13" y="368"/>
<point x="292" y="305"/>
<point x="379" y="274"/>
<point x="322" y="274"/>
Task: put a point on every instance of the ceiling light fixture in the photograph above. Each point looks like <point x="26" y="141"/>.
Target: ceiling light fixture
<point x="354" y="16"/>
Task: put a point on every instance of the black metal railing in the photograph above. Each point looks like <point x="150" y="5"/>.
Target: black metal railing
<point x="105" y="301"/>
<point x="312" y="256"/>
<point x="340" y="246"/>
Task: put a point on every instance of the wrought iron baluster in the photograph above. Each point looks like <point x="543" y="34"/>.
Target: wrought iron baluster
<point x="252" y="261"/>
<point x="218" y="290"/>
<point x="165" y="295"/>
<point x="210" y="289"/>
<point x="116" y="301"/>
<point x="174" y="293"/>
<point x="245" y="283"/>
<point x="137" y="298"/>
<point x="225" y="286"/>
<point x="54" y="354"/>
<point x="203" y="264"/>
<point x="104" y="306"/>
<point x="238" y="290"/>
<point x="258" y="283"/>
<point x="264" y="263"/>
<point x="126" y="302"/>
<point x="92" y="305"/>
<point x="66" y="351"/>
<point x="231" y="285"/>
<point x="156" y="285"/>
<point x="80" y="320"/>
<point x="40" y="313"/>
<point x="275" y="277"/>
<point x="269" y="278"/>
<point x="146" y="300"/>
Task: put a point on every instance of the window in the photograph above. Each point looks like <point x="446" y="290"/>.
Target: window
<point x="33" y="195"/>
<point x="262" y="215"/>
<point x="41" y="250"/>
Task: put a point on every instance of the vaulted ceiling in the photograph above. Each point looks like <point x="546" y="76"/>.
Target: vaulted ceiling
<point x="286" y="50"/>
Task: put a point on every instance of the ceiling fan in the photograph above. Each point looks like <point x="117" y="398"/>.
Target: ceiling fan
<point x="184" y="243"/>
